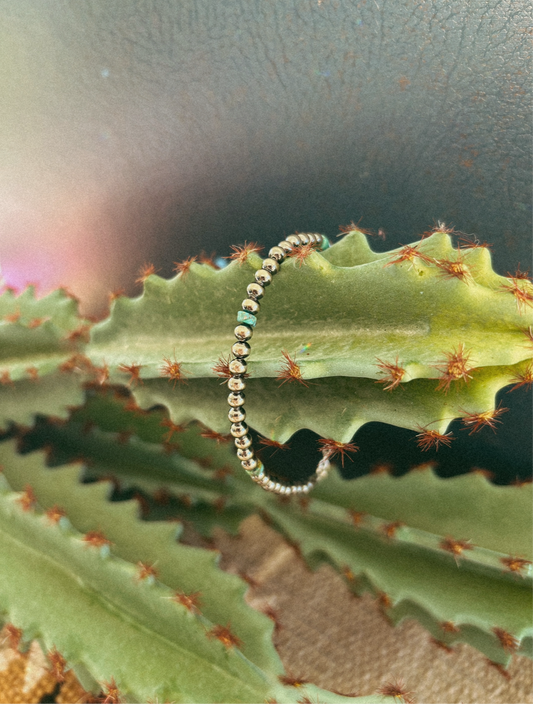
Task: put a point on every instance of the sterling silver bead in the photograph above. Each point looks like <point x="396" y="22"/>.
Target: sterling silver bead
<point x="243" y="332"/>
<point x="277" y="253"/>
<point x="241" y="349"/>
<point x="237" y="414"/>
<point x="263" y="277"/>
<point x="270" y="265"/>
<point x="250" y="305"/>
<point x="287" y="247"/>
<point x="238" y="429"/>
<point x="312" y="237"/>
<point x="304" y="238"/>
<point x="255" y="291"/>
<point x="236" y="399"/>
<point x="245" y="453"/>
<point x="238" y="366"/>
<point x="243" y="442"/>
<point x="249" y="465"/>
<point x="236" y="383"/>
<point x="293" y="240"/>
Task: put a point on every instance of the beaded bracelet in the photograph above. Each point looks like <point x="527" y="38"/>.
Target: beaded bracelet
<point x="247" y="318"/>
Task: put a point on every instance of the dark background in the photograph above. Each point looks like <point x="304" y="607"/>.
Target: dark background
<point x="148" y="130"/>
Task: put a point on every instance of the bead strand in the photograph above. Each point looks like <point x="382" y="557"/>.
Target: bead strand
<point x="247" y="319"/>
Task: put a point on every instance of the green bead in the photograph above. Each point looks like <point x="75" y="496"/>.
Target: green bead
<point x="245" y="317"/>
<point x="325" y="243"/>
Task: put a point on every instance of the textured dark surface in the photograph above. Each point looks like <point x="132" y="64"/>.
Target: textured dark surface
<point x="202" y="123"/>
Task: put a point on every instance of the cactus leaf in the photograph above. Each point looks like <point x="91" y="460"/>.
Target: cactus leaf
<point x="73" y="595"/>
<point x="415" y="337"/>
<point x="183" y="568"/>
<point x="51" y="395"/>
<point x="441" y="550"/>
<point x="38" y="334"/>
<point x="279" y="411"/>
<point x="405" y="537"/>
<point x="380" y="309"/>
<point x="58" y="307"/>
<point x="85" y="597"/>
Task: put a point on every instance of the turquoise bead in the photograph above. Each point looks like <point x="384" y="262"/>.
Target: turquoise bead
<point x="245" y="317"/>
<point x="325" y="243"/>
<point x="259" y="470"/>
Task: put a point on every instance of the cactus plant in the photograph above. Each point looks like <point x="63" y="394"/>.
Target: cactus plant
<point x="416" y="338"/>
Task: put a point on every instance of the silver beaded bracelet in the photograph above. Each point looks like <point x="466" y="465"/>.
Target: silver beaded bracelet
<point x="247" y="318"/>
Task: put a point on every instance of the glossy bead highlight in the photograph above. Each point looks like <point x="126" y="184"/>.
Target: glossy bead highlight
<point x="238" y="429"/>
<point x="255" y="291"/>
<point x="287" y="247"/>
<point x="250" y="306"/>
<point x="237" y="414"/>
<point x="236" y="383"/>
<point x="271" y="266"/>
<point x="277" y="253"/>
<point x="236" y="399"/>
<point x="241" y="349"/>
<point x="263" y="277"/>
<point x="243" y="332"/>
<point x="238" y="366"/>
<point x="294" y="240"/>
<point x="243" y="442"/>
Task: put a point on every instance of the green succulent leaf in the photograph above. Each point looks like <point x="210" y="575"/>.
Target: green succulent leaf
<point x="279" y="411"/>
<point x="334" y="319"/>
<point x="370" y="312"/>
<point x="38" y="334"/>
<point x="438" y="548"/>
<point x="415" y="338"/>
<point x="59" y="307"/>
<point x="73" y="594"/>
<point x="74" y="598"/>
<point x="442" y="550"/>
<point x="183" y="568"/>
<point x="51" y="395"/>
